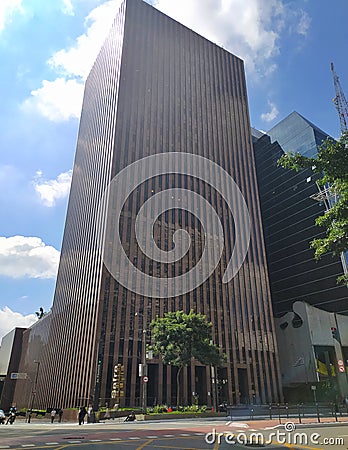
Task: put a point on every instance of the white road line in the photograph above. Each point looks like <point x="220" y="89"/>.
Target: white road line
<point x="28" y="445"/>
<point x="199" y="434"/>
<point x="52" y="443"/>
<point x="74" y="442"/>
<point x="95" y="440"/>
<point x="168" y="435"/>
<point x="184" y="434"/>
<point x="115" y="439"/>
<point x="4" y="446"/>
<point x="151" y="437"/>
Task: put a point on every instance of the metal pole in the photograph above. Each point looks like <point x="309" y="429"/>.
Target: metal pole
<point x="316" y="402"/>
<point x="144" y="373"/>
<point x="213" y="390"/>
<point x="33" y="390"/>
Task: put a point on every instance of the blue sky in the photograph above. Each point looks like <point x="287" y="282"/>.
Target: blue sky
<point x="46" y="51"/>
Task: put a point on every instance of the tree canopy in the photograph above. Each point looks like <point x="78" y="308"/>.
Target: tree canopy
<point x="179" y="337"/>
<point x="331" y="165"/>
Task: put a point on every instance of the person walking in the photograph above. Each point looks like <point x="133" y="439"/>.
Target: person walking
<point x="53" y="415"/>
<point x="82" y="413"/>
<point x="107" y="413"/>
<point x="90" y="415"/>
<point x="60" y="415"/>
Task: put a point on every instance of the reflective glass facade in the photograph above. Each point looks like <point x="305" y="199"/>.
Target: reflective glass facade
<point x="158" y="87"/>
<point x="288" y="215"/>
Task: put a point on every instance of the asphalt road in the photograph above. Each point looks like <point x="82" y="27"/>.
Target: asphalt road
<point x="181" y="434"/>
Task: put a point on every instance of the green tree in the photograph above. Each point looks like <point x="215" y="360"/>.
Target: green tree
<point x="178" y="337"/>
<point x="331" y="167"/>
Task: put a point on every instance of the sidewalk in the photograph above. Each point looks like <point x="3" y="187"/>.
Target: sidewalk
<point x="275" y="423"/>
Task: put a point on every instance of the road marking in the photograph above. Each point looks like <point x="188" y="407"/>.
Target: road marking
<point x="168" y="435"/>
<point x="237" y="424"/>
<point x="184" y="434"/>
<point x="115" y="439"/>
<point x="74" y="442"/>
<point x="144" y="444"/>
<point x="292" y="446"/>
<point x="52" y="443"/>
<point x="134" y="438"/>
<point x="28" y="445"/>
<point x="199" y="434"/>
<point x="4" y="446"/>
<point x="95" y="440"/>
<point x="152" y="437"/>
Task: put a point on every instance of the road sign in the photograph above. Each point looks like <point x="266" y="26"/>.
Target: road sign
<point x="19" y="376"/>
<point x="340" y="362"/>
<point x="145" y="379"/>
<point x="341" y="368"/>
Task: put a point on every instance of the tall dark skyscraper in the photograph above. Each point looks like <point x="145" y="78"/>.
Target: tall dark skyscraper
<point x="174" y="104"/>
<point x="289" y="212"/>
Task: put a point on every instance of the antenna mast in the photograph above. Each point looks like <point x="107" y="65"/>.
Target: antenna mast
<point x="340" y="101"/>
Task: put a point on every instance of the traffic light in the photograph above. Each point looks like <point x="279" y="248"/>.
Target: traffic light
<point x="334" y="333"/>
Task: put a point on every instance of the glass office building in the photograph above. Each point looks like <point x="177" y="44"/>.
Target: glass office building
<point x="288" y="215"/>
<point x="157" y="87"/>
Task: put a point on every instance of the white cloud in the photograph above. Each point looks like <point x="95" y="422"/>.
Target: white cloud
<point x="303" y="23"/>
<point x="10" y="320"/>
<point x="7" y="9"/>
<point x="272" y="114"/>
<point x="57" y="100"/>
<point x="52" y="190"/>
<point x="68" y="7"/>
<point x="250" y="30"/>
<point x="77" y="61"/>
<point x="29" y="257"/>
<point x="61" y="99"/>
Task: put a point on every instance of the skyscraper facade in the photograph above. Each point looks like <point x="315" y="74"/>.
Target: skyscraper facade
<point x="167" y="103"/>
<point x="289" y="209"/>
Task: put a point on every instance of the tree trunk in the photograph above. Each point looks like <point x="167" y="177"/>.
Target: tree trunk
<point x="178" y="388"/>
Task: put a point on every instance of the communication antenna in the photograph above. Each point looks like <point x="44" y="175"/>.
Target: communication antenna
<point x="340" y="101"/>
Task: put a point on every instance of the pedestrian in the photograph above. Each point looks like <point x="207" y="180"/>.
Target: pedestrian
<point x="82" y="413"/>
<point x="53" y="415"/>
<point x="60" y="415"/>
<point x="90" y="414"/>
<point x="107" y="413"/>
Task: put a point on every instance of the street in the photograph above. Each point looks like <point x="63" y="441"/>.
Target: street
<point x="180" y="434"/>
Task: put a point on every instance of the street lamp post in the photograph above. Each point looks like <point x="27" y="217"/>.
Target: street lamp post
<point x="143" y="369"/>
<point x="214" y="387"/>
<point x="144" y="373"/>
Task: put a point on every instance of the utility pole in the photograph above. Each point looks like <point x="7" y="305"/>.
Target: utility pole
<point x="144" y="373"/>
<point x="143" y="367"/>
